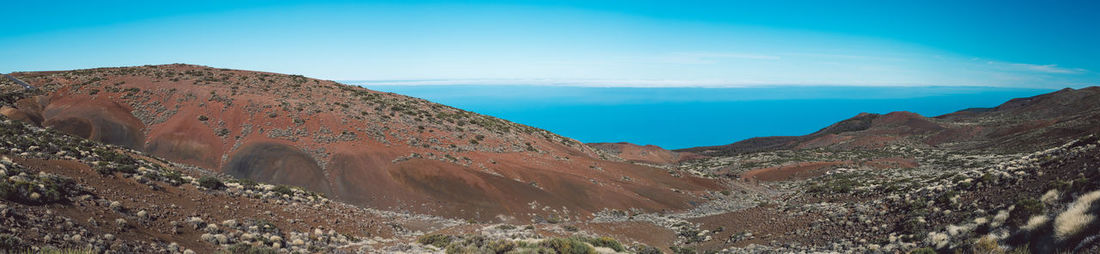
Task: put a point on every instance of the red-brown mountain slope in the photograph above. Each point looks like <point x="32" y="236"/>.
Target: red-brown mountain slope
<point x="371" y="148"/>
<point x="649" y="154"/>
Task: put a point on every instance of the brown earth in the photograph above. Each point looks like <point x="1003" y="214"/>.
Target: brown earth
<point x="650" y="154"/>
<point x="795" y="171"/>
<point x="811" y="169"/>
<point x="371" y="148"/>
<point x="168" y="204"/>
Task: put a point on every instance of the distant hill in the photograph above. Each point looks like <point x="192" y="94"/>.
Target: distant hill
<point x="370" y="148"/>
<point x="1023" y="124"/>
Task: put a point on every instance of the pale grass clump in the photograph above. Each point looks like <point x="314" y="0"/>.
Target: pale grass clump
<point x="999" y="219"/>
<point x="940" y="240"/>
<point x="1035" y="222"/>
<point x="1075" y="218"/>
<point x="986" y="245"/>
<point x="1050" y="196"/>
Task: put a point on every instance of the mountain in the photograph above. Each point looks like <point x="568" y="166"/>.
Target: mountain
<point x="1023" y="124"/>
<point x="374" y="149"/>
<point x="647" y="154"/>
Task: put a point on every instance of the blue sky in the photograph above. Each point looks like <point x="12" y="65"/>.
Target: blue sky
<point x="1039" y="44"/>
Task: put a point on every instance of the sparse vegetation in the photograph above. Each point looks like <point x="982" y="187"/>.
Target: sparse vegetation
<point x="568" y="246"/>
<point x="211" y="182"/>
<point x="244" y="248"/>
<point x="437" y="240"/>
<point x="283" y="190"/>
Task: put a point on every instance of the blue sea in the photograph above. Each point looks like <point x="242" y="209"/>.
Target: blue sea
<point x="688" y="117"/>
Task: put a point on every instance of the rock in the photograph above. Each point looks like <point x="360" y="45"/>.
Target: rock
<point x="115" y="205"/>
<point x="143" y="214"/>
<point x="109" y="237"/>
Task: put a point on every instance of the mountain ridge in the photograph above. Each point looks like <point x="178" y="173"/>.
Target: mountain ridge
<point x="980" y="127"/>
<point x="371" y="148"/>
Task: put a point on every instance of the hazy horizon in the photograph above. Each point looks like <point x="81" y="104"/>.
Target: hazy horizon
<point x="683" y="117"/>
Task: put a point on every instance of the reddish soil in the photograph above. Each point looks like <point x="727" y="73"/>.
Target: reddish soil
<point x="645" y="154"/>
<point x="806" y="170"/>
<point x="634" y="231"/>
<point x="796" y="171"/>
<point x="370" y="148"/>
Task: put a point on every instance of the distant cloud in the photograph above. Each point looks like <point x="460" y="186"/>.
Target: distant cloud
<point x="707" y="57"/>
<point x="1047" y="68"/>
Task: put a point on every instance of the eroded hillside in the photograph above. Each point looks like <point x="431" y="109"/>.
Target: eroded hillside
<point x="375" y="149"/>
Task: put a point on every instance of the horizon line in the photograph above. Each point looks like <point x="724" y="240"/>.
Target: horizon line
<point x="616" y="83"/>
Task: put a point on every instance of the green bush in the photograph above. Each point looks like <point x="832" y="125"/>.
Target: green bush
<point x="283" y="190"/>
<point x="111" y="169"/>
<point x="682" y="250"/>
<point x="244" y="248"/>
<point x="247" y="183"/>
<point x="49" y="189"/>
<point x="608" y="242"/>
<point x="10" y="242"/>
<point x="1024" y="209"/>
<point x="568" y="246"/>
<point x="211" y="182"/>
<point x="946" y="197"/>
<point x="175" y="178"/>
<point x="436" y="240"/>
<point x="645" y="249"/>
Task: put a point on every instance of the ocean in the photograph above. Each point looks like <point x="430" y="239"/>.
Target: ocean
<point x="684" y="117"/>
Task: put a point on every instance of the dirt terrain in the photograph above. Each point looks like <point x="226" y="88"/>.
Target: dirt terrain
<point x="370" y="148"/>
<point x="647" y="154"/>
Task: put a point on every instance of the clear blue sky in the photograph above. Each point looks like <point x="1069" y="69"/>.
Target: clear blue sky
<point x="1041" y="44"/>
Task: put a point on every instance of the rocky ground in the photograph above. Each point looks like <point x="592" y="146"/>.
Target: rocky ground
<point x="947" y="201"/>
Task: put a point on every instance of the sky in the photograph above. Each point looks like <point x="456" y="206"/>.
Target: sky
<point x="1029" y="44"/>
